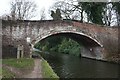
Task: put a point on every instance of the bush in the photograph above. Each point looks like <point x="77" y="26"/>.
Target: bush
<point x="60" y="45"/>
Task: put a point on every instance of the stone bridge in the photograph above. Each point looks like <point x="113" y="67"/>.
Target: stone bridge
<point x="98" y="41"/>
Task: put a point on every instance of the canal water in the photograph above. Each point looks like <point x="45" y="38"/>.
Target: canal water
<point x="69" y="66"/>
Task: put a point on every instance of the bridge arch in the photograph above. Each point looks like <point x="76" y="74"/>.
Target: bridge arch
<point x="16" y="32"/>
<point x="65" y="32"/>
<point x="89" y="44"/>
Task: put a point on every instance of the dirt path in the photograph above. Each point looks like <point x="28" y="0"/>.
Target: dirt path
<point x="36" y="73"/>
<point x="16" y="71"/>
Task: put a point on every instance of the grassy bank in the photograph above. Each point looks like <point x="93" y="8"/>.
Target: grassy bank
<point x="24" y="65"/>
<point x="0" y="68"/>
<point x="0" y="72"/>
<point x="7" y="74"/>
<point x="19" y="63"/>
<point x="47" y="71"/>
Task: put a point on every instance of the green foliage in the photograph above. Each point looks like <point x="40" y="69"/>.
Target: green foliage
<point x="0" y="71"/>
<point x="38" y="45"/>
<point x="0" y="68"/>
<point x="56" y="15"/>
<point x="69" y="46"/>
<point x="7" y="74"/>
<point x="91" y="12"/>
<point x="22" y="64"/>
<point x="59" y="44"/>
<point x="64" y="46"/>
<point x="116" y="6"/>
<point x="94" y="11"/>
<point x="47" y="71"/>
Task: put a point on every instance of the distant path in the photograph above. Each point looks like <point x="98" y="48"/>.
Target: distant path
<point x="36" y="73"/>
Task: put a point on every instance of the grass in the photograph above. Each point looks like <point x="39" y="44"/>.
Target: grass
<point x="0" y="67"/>
<point x="0" y="71"/>
<point x="7" y="74"/>
<point x="23" y="64"/>
<point x="47" y="71"/>
<point x="19" y="63"/>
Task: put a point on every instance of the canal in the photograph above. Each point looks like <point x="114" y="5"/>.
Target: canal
<point x="69" y="66"/>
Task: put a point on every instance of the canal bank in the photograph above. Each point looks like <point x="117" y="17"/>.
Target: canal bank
<point x="47" y="71"/>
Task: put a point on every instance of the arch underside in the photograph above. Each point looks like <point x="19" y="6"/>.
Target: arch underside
<point x="91" y="47"/>
<point x="77" y="36"/>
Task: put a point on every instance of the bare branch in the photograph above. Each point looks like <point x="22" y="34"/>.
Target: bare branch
<point x="42" y="14"/>
<point x="22" y="9"/>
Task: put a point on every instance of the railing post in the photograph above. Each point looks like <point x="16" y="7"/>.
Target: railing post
<point x="20" y="51"/>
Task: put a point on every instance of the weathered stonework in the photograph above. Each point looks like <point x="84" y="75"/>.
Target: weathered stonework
<point x="99" y="41"/>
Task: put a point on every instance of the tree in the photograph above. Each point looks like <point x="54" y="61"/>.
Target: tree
<point x="91" y="12"/>
<point x="5" y="17"/>
<point x="22" y="9"/>
<point x="56" y="15"/>
<point x="53" y="15"/>
<point x="42" y="14"/>
<point x="116" y="6"/>
<point x="59" y="44"/>
<point x="95" y="12"/>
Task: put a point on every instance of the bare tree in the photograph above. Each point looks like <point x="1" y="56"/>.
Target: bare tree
<point x="71" y="9"/>
<point x="67" y="8"/>
<point x="109" y="15"/>
<point x="5" y="17"/>
<point x="93" y="12"/>
<point x="42" y="14"/>
<point x="22" y="9"/>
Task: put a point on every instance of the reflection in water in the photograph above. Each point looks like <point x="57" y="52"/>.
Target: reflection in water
<point x="69" y="66"/>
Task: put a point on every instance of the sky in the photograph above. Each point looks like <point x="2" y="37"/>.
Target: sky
<point x="41" y="4"/>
